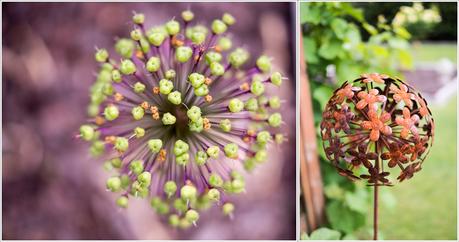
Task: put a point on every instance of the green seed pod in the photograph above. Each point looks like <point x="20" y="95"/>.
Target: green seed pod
<point x="170" y="74"/>
<point x="136" y="34"/>
<point x="183" y="53"/>
<point x="251" y="104"/>
<point x="127" y="67"/>
<point x="137" y="112"/>
<point x="212" y="57"/>
<point x="260" y="156"/>
<point x="196" y="79"/>
<point x="213" y="194"/>
<point x="218" y="27"/>
<point x="170" y="188"/>
<point x="192" y="216"/>
<point x="174" y="220"/>
<point x="168" y="119"/>
<point x="108" y="166"/>
<point x="125" y="181"/>
<point x="276" y="79"/>
<point x="114" y="184"/>
<point x="163" y="208"/>
<point x="194" y="113"/>
<point x="188" y="192"/>
<point x="138" y="18"/>
<point x="144" y="178"/>
<point x="249" y="164"/>
<point x="213" y="151"/>
<point x="275" y="119"/>
<point x="111" y="112"/>
<point x="187" y="15"/>
<point x="97" y="148"/>
<point x="139" y="87"/>
<point x="279" y="138"/>
<point x="183" y="159"/>
<point x="264" y="63"/>
<point x="180" y="205"/>
<point x="139" y="132"/>
<point x="217" y="69"/>
<point x="238" y="186"/>
<point x="125" y="48"/>
<point x="101" y="55"/>
<point x="172" y="27"/>
<point x="153" y="64"/>
<point x="122" y="202"/>
<point x="274" y="102"/>
<point x="121" y="144"/>
<point x="263" y="137"/>
<point x="180" y="147"/>
<point x="228" y="19"/>
<point x="175" y="97"/>
<point x="116" y="76"/>
<point x="156" y="38"/>
<point x="225" y="125"/>
<point x="86" y="132"/>
<point x="144" y="45"/>
<point x="155" y="145"/>
<point x="93" y="110"/>
<point x="238" y="57"/>
<point x="198" y="38"/>
<point x="235" y="105"/>
<point x="116" y="162"/>
<point x="215" y="180"/>
<point x="196" y="126"/>
<point x="201" y="157"/>
<point x="225" y="43"/>
<point x="155" y="202"/>
<point x="136" y="167"/>
<point x="184" y="223"/>
<point x="228" y="208"/>
<point x="231" y="150"/>
<point x="257" y="88"/>
<point x="201" y="90"/>
<point x="108" y="89"/>
<point x="165" y="86"/>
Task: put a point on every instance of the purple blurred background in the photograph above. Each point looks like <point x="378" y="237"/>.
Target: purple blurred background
<point x="52" y="189"/>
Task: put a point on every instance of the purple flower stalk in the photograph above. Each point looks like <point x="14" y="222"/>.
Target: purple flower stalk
<point x="180" y="115"/>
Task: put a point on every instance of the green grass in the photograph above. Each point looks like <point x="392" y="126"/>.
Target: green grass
<point x="427" y="52"/>
<point x="426" y="204"/>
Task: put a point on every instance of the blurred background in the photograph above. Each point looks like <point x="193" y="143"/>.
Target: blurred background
<point x="52" y="189"/>
<point x="417" y="42"/>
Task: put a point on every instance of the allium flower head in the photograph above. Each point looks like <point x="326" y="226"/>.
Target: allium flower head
<point x="178" y="114"/>
<point x="376" y="124"/>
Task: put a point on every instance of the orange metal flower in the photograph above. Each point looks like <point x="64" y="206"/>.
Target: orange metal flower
<point x="374" y="77"/>
<point x="370" y="98"/>
<point x="402" y="94"/>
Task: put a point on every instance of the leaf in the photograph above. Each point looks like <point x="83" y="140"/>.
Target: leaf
<point x="357" y="200"/>
<point x="388" y="199"/>
<point x="322" y="94"/>
<point x="325" y="234"/>
<point x="339" y="26"/>
<point x="342" y="218"/>
<point x="334" y="191"/>
<point x="356" y="13"/>
<point x="304" y="236"/>
<point x="330" y="50"/>
<point x="309" y="13"/>
<point x="310" y="50"/>
<point x="370" y="29"/>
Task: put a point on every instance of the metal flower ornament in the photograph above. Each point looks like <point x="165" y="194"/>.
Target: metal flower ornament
<point x="376" y="126"/>
<point x="177" y="116"/>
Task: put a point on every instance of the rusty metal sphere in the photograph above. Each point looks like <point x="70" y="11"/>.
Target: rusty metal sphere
<point x="375" y="126"/>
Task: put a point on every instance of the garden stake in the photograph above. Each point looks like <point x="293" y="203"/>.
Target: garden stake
<point x="380" y="111"/>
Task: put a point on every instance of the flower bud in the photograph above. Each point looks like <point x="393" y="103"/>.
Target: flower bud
<point x="136" y="34"/>
<point x="165" y="86"/>
<point x="153" y="64"/>
<point x="201" y="157"/>
<point x="218" y="27"/>
<point x="144" y="178"/>
<point x="111" y="112"/>
<point x="194" y="113"/>
<point x="183" y="159"/>
<point x="101" y="55"/>
<point x="235" y="105"/>
<point x="225" y="43"/>
<point x="257" y="88"/>
<point x="174" y="220"/>
<point x="137" y="112"/>
<point x="260" y="156"/>
<point x="138" y="18"/>
<point x="279" y="138"/>
<point x="116" y="76"/>
<point x="156" y="38"/>
<point x="121" y="144"/>
<point x="125" y="48"/>
<point x="175" y="97"/>
<point x="127" y="67"/>
<point x="225" y="125"/>
<point x="116" y="162"/>
<point x="183" y="53"/>
<point x="264" y="63"/>
<point x="97" y="148"/>
<point x="187" y="15"/>
<point x="136" y="167"/>
<point x="213" y="151"/>
<point x="276" y="79"/>
<point x="139" y="87"/>
<point x="275" y="119"/>
<point x="168" y="119"/>
<point x="192" y="216"/>
<point x="217" y="69"/>
<point x="188" y="192"/>
<point x="215" y="180"/>
<point x="196" y="79"/>
<point x="196" y="126"/>
<point x="172" y="27"/>
<point x="86" y="132"/>
<point x="170" y="188"/>
<point x="170" y="74"/>
<point x="213" y="194"/>
<point x="238" y="57"/>
<point x="114" y="184"/>
<point x="231" y="150"/>
<point x="180" y="205"/>
<point x="198" y="38"/>
<point x="263" y="137"/>
<point x="201" y="90"/>
<point x="180" y="147"/>
<point x="122" y="202"/>
<point x="251" y="104"/>
<point x="155" y="145"/>
<point x="139" y="132"/>
<point x="228" y="19"/>
<point x="274" y="102"/>
<point x="212" y="57"/>
<point x="228" y="208"/>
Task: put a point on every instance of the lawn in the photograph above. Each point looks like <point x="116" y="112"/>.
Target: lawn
<point x="426" y="205"/>
<point x="423" y="52"/>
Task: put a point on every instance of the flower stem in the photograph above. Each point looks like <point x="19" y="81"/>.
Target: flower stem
<point x="375" y="197"/>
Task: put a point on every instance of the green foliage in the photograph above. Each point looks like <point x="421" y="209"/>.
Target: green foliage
<point x="322" y="234"/>
<point x="332" y="38"/>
